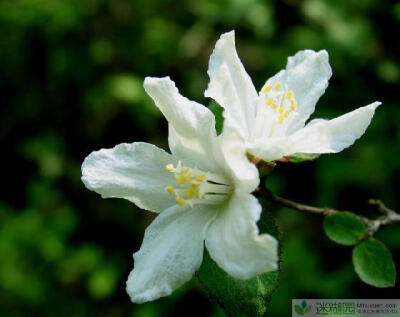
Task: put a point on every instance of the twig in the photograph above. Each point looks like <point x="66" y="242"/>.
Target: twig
<point x="373" y="225"/>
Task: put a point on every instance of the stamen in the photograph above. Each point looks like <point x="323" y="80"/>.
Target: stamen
<point x="277" y="86"/>
<point x="170" y="190"/>
<point x="193" y="186"/>
<point x="180" y="201"/>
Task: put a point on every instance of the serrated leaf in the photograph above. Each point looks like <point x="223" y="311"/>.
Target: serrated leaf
<point x="218" y="111"/>
<point x="303" y="157"/>
<point x="344" y="228"/>
<point x="240" y="297"/>
<point x="374" y="264"/>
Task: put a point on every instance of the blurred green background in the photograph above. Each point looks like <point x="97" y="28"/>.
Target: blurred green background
<point x="71" y="75"/>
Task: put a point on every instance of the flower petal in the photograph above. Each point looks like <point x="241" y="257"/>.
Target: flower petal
<point x="132" y="171"/>
<point x="171" y="252"/>
<point x="332" y="136"/>
<point x="319" y="136"/>
<point x="191" y="125"/>
<point x="231" y="150"/>
<point x="231" y="86"/>
<point x="306" y="74"/>
<point x="234" y="242"/>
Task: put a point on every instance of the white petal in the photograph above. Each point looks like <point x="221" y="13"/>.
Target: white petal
<point x="332" y="136"/>
<point x="319" y="136"/>
<point x="231" y="150"/>
<point x="307" y="74"/>
<point x="234" y="242"/>
<point x="171" y="252"/>
<point x="191" y="125"/>
<point x="231" y="86"/>
<point x="132" y="171"/>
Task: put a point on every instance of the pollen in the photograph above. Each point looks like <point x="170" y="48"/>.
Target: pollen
<point x="267" y="89"/>
<point x="289" y="95"/>
<point x="281" y="100"/>
<point x="200" y="177"/>
<point x="170" y="190"/>
<point x="180" y="201"/>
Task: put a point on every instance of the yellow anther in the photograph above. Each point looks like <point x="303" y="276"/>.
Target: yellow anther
<point x="169" y="168"/>
<point x="289" y="95"/>
<point x="189" y="193"/>
<point x="267" y="89"/>
<point x="170" y="190"/>
<point x="200" y="177"/>
<point x="293" y="105"/>
<point x="195" y="183"/>
<point x="286" y="114"/>
<point x="269" y="102"/>
<point x="281" y="110"/>
<point x="280" y="120"/>
<point x="182" y="179"/>
<point x="277" y="86"/>
<point x="180" y="201"/>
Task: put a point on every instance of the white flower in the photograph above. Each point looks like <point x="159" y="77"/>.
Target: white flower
<point x="201" y="192"/>
<point x="273" y="122"/>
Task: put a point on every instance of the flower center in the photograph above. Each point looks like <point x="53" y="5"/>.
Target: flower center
<point x="196" y="187"/>
<point x="281" y="100"/>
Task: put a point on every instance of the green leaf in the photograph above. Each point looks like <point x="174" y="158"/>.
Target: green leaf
<point x="218" y="111"/>
<point x="298" y="310"/>
<point x="240" y="297"/>
<point x="304" y="304"/>
<point x="344" y="228"/>
<point x="374" y="264"/>
<point x="302" y="157"/>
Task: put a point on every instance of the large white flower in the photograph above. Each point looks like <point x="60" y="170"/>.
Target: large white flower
<point x="201" y="192"/>
<point x="273" y="122"/>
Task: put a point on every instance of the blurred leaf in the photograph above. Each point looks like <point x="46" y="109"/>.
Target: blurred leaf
<point x="240" y="297"/>
<point x="374" y="264"/>
<point x="344" y="228"/>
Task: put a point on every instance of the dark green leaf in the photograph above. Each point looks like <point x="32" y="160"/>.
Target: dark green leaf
<point x="240" y="297"/>
<point x="298" y="309"/>
<point x="344" y="228"/>
<point x="374" y="264"/>
<point x="218" y="111"/>
<point x="303" y="304"/>
<point x="302" y="157"/>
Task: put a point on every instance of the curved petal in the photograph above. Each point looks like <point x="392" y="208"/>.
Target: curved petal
<point x="231" y="150"/>
<point x="171" y="252"/>
<point x="306" y="75"/>
<point x="191" y="125"/>
<point x="231" y="86"/>
<point x="132" y="171"/>
<point x="234" y="242"/>
<point x="319" y="136"/>
<point x="332" y="136"/>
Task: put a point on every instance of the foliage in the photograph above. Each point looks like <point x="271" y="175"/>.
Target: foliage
<point x="344" y="228"/>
